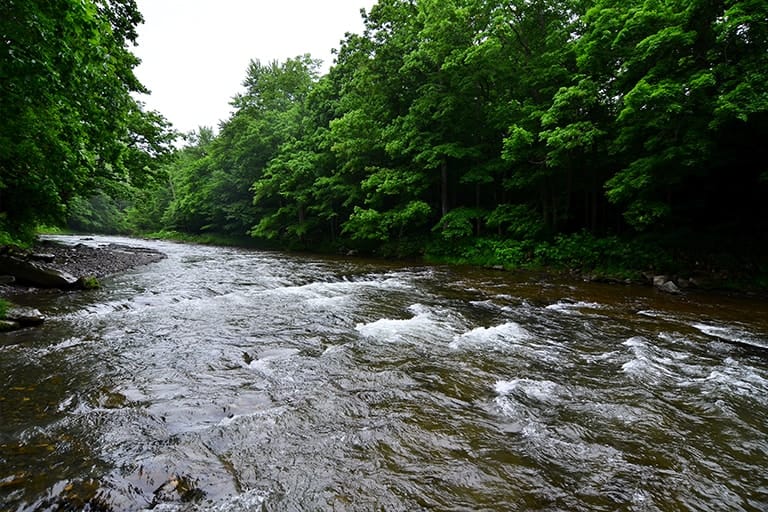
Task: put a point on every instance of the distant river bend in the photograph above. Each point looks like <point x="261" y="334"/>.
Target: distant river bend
<point x="233" y="380"/>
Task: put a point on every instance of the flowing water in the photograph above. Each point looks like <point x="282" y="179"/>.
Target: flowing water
<point x="232" y="380"/>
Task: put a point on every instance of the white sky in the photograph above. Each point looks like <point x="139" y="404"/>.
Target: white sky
<point x="195" y="52"/>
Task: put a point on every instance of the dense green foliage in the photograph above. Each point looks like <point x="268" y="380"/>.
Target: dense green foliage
<point x="71" y="128"/>
<point x="577" y="133"/>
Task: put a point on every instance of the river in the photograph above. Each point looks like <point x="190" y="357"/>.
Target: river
<point x="234" y="380"/>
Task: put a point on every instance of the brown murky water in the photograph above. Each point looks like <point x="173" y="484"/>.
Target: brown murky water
<point x="230" y="380"/>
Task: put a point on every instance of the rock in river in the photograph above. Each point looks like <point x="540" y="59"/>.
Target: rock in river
<point x="24" y="316"/>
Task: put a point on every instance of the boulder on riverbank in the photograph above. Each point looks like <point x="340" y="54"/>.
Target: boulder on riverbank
<point x="18" y="317"/>
<point x="25" y="271"/>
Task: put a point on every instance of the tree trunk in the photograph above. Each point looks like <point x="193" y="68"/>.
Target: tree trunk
<point x="477" y="205"/>
<point x="444" y="187"/>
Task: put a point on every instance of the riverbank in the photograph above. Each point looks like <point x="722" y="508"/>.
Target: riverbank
<point x="101" y="261"/>
<point x="53" y="265"/>
<point x="580" y="256"/>
<point x="77" y="262"/>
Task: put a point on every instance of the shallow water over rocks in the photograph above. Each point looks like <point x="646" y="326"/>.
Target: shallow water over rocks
<point x="233" y="380"/>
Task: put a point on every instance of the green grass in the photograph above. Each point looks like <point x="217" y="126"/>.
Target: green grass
<point x="89" y="283"/>
<point x="4" y="306"/>
<point x="52" y="230"/>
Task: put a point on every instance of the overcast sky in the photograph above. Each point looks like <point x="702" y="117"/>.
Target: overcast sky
<point x="195" y="52"/>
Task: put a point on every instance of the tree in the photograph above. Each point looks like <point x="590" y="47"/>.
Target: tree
<point x="678" y="77"/>
<point x="66" y="78"/>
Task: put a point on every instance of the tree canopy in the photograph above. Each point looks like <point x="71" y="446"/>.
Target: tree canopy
<point x="71" y="124"/>
<point x="452" y="126"/>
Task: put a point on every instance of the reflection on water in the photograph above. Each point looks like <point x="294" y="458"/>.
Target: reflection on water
<point x="224" y="379"/>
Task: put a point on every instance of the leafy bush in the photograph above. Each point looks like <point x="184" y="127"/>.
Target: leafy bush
<point x="517" y="220"/>
<point x="98" y="214"/>
<point x="585" y="251"/>
<point x="459" y="223"/>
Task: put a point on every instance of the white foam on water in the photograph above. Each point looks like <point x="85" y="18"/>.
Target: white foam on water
<point x="65" y="404"/>
<point x="528" y="404"/>
<point x="324" y="290"/>
<point x="653" y="364"/>
<point x="647" y="364"/>
<point x="539" y="390"/>
<point x="504" y="334"/>
<point x="267" y="358"/>
<point x="248" y="501"/>
<point x="425" y="324"/>
<point x="572" y="308"/>
<point x="732" y="334"/>
<point x="61" y="346"/>
<point x="737" y="379"/>
<point x="269" y="413"/>
<point x="652" y="313"/>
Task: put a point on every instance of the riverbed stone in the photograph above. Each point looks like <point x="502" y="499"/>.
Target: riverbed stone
<point x="670" y="287"/>
<point x="9" y="325"/>
<point x="42" y="256"/>
<point x="35" y="274"/>
<point x="24" y="316"/>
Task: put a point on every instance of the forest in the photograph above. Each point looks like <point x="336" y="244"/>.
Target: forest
<point x="617" y="135"/>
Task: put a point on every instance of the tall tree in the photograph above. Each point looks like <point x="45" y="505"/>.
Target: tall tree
<point x="680" y="78"/>
<point x="66" y="78"/>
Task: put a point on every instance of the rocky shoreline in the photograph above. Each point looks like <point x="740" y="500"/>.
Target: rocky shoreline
<point x="82" y="260"/>
<point x="60" y="266"/>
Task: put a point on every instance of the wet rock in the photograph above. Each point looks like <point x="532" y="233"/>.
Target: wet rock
<point x="24" y="316"/>
<point x="42" y="256"/>
<point x="87" y="283"/>
<point x="658" y="281"/>
<point x="669" y="287"/>
<point x="36" y="274"/>
<point x="177" y="489"/>
<point x="9" y="325"/>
